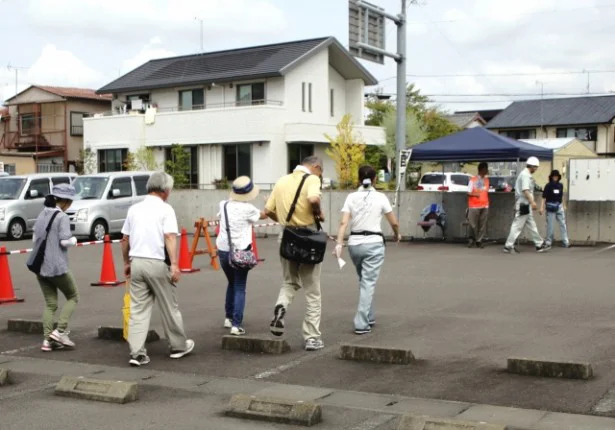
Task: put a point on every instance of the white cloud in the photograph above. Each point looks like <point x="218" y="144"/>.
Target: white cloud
<point x="150" y="51"/>
<point x="53" y="67"/>
<point x="137" y="20"/>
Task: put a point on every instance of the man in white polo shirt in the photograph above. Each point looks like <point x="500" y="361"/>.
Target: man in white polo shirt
<point x="149" y="249"/>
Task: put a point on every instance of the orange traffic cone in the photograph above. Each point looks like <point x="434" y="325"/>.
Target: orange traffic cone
<point x="108" y="277"/>
<point x="185" y="259"/>
<point x="7" y="295"/>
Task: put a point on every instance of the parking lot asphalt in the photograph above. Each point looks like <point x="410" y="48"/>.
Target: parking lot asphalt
<point x="461" y="311"/>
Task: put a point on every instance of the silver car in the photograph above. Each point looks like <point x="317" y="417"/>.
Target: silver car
<point x="102" y="202"/>
<point x="21" y="200"/>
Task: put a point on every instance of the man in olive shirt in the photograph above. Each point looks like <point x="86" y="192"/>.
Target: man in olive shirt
<point x="297" y="276"/>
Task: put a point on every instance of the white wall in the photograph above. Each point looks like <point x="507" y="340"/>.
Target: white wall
<point x="338" y="84"/>
<point x="355" y="99"/>
<point x="314" y="70"/>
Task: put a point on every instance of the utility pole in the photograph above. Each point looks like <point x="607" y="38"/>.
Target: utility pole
<point x="366" y="31"/>
<point x="17" y="69"/>
<point x="201" y="21"/>
<point x="542" y="96"/>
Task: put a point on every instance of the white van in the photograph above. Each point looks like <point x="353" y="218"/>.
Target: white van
<point x="21" y="200"/>
<point x="102" y="202"/>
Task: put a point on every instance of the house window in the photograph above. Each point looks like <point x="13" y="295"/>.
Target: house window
<point x="310" y="97"/>
<point x="193" y="166"/>
<point x="332" y="102"/>
<point x="303" y="96"/>
<point x="10" y="169"/>
<point x="237" y="161"/>
<point x="297" y="152"/>
<point x="28" y="123"/>
<point x="192" y="99"/>
<point x="138" y="101"/>
<point x="251" y="94"/>
<point x="586" y="134"/>
<point x="76" y="123"/>
<point x="520" y="134"/>
<point x="112" y="160"/>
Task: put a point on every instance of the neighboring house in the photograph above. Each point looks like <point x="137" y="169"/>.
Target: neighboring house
<point x="589" y="119"/>
<point x="564" y="149"/>
<point x="466" y="120"/>
<point x="253" y="111"/>
<point x="487" y="114"/>
<point x="44" y="131"/>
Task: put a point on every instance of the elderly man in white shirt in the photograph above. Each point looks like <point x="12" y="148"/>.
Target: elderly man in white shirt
<point x="149" y="249"/>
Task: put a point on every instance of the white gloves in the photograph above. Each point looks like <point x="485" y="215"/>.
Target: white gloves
<point x="69" y="242"/>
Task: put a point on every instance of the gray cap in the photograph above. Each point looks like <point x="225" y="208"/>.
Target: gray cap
<point x="63" y="191"/>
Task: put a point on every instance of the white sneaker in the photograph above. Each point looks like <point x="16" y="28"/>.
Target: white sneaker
<point x="314" y="344"/>
<point x="238" y="331"/>
<point x="188" y="350"/>
<point x="51" y="345"/>
<point x="227" y="323"/>
<point x="62" y="337"/>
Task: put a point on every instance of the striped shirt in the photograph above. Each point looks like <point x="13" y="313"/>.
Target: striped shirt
<point x="56" y="256"/>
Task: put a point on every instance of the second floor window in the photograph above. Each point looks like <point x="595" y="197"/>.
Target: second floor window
<point x="586" y="134"/>
<point x="28" y="123"/>
<point x="192" y="99"/>
<point x="76" y="124"/>
<point x="519" y="134"/>
<point x="251" y="94"/>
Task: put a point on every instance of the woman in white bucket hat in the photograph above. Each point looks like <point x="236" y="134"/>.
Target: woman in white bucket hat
<point x="241" y="216"/>
<point x="52" y="227"/>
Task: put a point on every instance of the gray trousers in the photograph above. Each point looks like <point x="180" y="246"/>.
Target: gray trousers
<point x="477" y="219"/>
<point x="151" y="280"/>
<point x="518" y="224"/>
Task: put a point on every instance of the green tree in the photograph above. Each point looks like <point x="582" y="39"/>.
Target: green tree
<point x="347" y="151"/>
<point x="179" y="166"/>
<point x="87" y="162"/>
<point x="145" y="159"/>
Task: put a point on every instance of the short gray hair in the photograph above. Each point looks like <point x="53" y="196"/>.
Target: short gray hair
<point x="159" y="182"/>
<point x="312" y="160"/>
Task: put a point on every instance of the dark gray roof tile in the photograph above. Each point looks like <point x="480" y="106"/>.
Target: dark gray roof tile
<point x="564" y="111"/>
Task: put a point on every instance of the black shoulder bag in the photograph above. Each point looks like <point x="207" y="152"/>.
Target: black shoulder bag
<point x="38" y="256"/>
<point x="301" y="244"/>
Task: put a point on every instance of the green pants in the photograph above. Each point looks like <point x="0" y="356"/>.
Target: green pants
<point x="50" y="286"/>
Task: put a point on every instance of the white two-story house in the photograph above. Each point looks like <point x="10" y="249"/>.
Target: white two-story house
<point x="253" y="111"/>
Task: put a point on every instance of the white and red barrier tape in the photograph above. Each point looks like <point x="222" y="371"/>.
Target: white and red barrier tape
<point x="98" y="242"/>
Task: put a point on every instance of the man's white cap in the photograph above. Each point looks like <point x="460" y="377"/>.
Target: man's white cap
<point x="533" y="161"/>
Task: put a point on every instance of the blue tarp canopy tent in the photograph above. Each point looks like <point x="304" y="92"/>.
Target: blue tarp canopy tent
<point x="477" y="144"/>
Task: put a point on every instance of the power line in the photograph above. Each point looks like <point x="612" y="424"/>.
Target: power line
<point x="554" y="10"/>
<point x="509" y="74"/>
<point x="604" y="93"/>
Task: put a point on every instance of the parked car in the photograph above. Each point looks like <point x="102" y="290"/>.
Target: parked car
<point x="21" y="200"/>
<point x="504" y="184"/>
<point x="447" y="181"/>
<point x="103" y="200"/>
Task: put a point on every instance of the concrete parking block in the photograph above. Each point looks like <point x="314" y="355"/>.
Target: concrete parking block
<point x="519" y="418"/>
<point x="417" y="422"/>
<point x="558" y="421"/>
<point x="255" y="344"/>
<point x="274" y="410"/>
<point x="117" y="333"/>
<point x="99" y="390"/>
<point x="376" y="354"/>
<point x="430" y="407"/>
<point x="26" y="326"/>
<point x="4" y="377"/>
<point x="550" y="369"/>
<point x="294" y="392"/>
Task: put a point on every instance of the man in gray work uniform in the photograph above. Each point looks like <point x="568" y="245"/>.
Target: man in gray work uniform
<point x="524" y="206"/>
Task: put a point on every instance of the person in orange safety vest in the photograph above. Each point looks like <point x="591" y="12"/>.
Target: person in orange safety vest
<point x="478" y="206"/>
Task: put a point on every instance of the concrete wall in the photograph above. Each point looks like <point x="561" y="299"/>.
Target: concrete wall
<point x="587" y="221"/>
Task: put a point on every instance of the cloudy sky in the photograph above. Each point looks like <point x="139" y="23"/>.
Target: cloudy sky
<point x="467" y="54"/>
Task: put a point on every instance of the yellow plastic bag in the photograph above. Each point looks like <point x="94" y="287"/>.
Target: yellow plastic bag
<point x="126" y="308"/>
